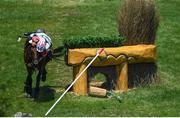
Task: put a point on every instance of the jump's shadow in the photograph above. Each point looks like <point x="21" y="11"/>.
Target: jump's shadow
<point x="46" y="94"/>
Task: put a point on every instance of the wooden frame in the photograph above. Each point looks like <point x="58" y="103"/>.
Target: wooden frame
<point x="118" y="56"/>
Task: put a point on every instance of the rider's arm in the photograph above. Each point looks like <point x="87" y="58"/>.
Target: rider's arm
<point x="47" y="46"/>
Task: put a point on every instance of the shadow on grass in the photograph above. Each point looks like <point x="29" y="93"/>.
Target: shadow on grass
<point x="46" y="94"/>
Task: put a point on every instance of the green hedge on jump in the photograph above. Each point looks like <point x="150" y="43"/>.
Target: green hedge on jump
<point x="93" y="42"/>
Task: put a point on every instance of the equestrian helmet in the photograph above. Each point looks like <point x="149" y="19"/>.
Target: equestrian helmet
<point x="40" y="30"/>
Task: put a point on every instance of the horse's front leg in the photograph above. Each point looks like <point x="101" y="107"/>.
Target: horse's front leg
<point x="28" y="83"/>
<point x="38" y="78"/>
<point x="36" y="93"/>
<point x="44" y="75"/>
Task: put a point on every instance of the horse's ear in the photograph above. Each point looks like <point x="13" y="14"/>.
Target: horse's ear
<point x="28" y="33"/>
<point x="26" y="44"/>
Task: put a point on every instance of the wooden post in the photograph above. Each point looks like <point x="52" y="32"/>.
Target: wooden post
<point x="80" y="87"/>
<point x="122" y="81"/>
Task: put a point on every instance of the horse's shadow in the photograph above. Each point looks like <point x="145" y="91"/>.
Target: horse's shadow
<point x="46" y="94"/>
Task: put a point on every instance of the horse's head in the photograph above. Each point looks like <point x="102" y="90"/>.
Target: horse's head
<point x="38" y="58"/>
<point x="31" y="56"/>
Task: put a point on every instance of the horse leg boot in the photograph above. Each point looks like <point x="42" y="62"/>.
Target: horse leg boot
<point x="28" y="85"/>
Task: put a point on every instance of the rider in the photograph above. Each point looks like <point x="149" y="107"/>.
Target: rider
<point x="42" y="42"/>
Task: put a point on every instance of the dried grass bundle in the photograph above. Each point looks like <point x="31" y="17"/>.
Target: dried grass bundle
<point x="138" y="21"/>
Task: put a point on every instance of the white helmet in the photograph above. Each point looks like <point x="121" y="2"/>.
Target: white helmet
<point x="40" y="30"/>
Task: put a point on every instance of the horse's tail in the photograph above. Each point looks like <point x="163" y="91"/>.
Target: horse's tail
<point x="59" y="51"/>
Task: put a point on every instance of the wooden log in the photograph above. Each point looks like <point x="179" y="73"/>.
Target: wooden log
<point x="114" y="56"/>
<point x="80" y="87"/>
<point x="95" y="91"/>
<point x="122" y="81"/>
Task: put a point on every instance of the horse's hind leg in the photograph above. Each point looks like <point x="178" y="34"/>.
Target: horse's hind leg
<point x="28" y="83"/>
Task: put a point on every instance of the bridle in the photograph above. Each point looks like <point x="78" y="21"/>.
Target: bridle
<point x="35" y="58"/>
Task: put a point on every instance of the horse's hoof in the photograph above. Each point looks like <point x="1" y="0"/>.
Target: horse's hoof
<point x="43" y="79"/>
<point x="36" y="96"/>
<point x="36" y="99"/>
<point x="27" y="95"/>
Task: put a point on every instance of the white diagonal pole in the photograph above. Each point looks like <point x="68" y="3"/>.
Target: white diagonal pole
<point x="98" y="53"/>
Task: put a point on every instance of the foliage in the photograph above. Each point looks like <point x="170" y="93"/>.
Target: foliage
<point x="138" y="21"/>
<point x="93" y="42"/>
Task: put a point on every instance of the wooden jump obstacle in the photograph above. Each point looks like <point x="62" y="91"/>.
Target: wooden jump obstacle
<point x="117" y="56"/>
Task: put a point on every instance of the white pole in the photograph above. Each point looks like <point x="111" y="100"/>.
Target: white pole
<point x="98" y="53"/>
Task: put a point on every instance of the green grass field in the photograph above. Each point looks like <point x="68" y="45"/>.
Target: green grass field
<point x="65" y="18"/>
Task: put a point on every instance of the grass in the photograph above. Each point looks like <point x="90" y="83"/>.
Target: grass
<point x="63" y="19"/>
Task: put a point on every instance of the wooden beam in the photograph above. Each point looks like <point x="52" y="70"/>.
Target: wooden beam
<point x="113" y="56"/>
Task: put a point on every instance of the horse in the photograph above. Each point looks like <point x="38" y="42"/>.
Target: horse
<point x="34" y="61"/>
